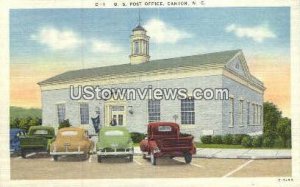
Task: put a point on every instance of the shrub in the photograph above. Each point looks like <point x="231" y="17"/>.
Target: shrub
<point x="279" y="142"/>
<point x="246" y="141"/>
<point x="268" y="141"/>
<point x="206" y="139"/>
<point x="137" y="137"/>
<point x="64" y="124"/>
<point x="257" y="141"/>
<point x="217" y="139"/>
<point x="237" y="139"/>
<point x="227" y="139"/>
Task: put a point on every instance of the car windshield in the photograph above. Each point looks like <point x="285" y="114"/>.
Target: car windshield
<point x="40" y="132"/>
<point x="69" y="133"/>
<point x="164" y="129"/>
<point x="114" y="133"/>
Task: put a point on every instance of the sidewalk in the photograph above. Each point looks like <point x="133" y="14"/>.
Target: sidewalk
<point x="238" y="153"/>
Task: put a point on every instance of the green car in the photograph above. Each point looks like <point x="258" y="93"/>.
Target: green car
<point x="38" y="139"/>
<point x="114" y="141"/>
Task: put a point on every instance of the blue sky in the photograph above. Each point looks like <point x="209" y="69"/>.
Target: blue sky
<point x="99" y="37"/>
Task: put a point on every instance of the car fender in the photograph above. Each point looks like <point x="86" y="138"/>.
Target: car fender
<point x="152" y="145"/>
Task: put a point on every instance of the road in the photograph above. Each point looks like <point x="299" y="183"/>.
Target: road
<point x="43" y="167"/>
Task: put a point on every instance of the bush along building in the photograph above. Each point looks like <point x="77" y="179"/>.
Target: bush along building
<point x="241" y="113"/>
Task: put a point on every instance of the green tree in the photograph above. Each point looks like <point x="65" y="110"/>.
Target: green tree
<point x="284" y="129"/>
<point x="34" y="122"/>
<point x="271" y="117"/>
<point x="23" y="123"/>
<point x="14" y="123"/>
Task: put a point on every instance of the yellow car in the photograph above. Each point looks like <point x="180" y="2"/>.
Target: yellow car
<point x="71" y="141"/>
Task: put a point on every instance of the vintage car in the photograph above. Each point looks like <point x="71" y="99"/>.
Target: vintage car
<point x="114" y="141"/>
<point x="71" y="141"/>
<point x="164" y="139"/>
<point x="14" y="137"/>
<point x="38" y="139"/>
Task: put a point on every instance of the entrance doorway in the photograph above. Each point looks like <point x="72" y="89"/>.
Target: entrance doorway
<point x="115" y="110"/>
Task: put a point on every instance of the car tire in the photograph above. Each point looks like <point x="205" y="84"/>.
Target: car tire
<point x="188" y="158"/>
<point x="85" y="156"/>
<point x="131" y="158"/>
<point x="152" y="159"/>
<point x="55" y="158"/>
<point x="144" y="156"/>
<point x="23" y="153"/>
<point x="99" y="158"/>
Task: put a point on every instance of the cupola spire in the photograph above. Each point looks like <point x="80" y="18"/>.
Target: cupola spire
<point x="139" y="44"/>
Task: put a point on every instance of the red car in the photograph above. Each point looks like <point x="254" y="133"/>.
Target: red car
<point x="164" y="139"/>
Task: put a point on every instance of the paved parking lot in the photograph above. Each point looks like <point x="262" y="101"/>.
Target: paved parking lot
<point x="43" y="167"/>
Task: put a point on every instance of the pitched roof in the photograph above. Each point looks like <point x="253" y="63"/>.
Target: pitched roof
<point x="217" y="58"/>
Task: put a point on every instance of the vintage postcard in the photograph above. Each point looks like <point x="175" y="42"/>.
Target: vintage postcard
<point x="168" y="93"/>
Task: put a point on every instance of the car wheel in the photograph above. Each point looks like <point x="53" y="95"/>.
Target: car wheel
<point x="144" y="156"/>
<point x="187" y="158"/>
<point x="55" y="157"/>
<point x="23" y="153"/>
<point x="152" y="159"/>
<point x="131" y="158"/>
<point x="85" y="156"/>
<point x="99" y="158"/>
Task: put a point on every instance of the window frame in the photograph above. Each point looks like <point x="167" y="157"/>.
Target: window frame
<point x="231" y="112"/>
<point x="153" y="115"/>
<point x="241" y="112"/>
<point x="187" y="111"/>
<point x="61" y="112"/>
<point x="84" y="115"/>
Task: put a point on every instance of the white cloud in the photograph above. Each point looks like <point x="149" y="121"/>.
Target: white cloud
<point x="160" y="32"/>
<point x="57" y="39"/>
<point x="104" y="47"/>
<point x="257" y="33"/>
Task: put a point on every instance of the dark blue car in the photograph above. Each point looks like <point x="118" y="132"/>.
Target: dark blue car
<point x="15" y="140"/>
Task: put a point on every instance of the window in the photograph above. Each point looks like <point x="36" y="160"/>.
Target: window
<point x="147" y="48"/>
<point x="136" y="48"/>
<point x="254" y="114"/>
<point x="188" y="111"/>
<point x="153" y="110"/>
<point x="241" y="116"/>
<point x="231" y="112"/>
<point x="261" y="115"/>
<point x="248" y="113"/>
<point x="61" y="113"/>
<point x="84" y="113"/>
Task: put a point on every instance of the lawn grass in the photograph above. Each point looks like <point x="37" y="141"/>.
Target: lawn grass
<point x="221" y="146"/>
<point x="225" y="146"/>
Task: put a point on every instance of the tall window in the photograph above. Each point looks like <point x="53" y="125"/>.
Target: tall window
<point x="254" y="114"/>
<point x="248" y="113"/>
<point x="136" y="48"/>
<point x="231" y="112"/>
<point x="153" y="110"/>
<point x="84" y="113"/>
<point x="241" y="116"/>
<point x="188" y="111"/>
<point x="261" y="115"/>
<point x="61" y="112"/>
